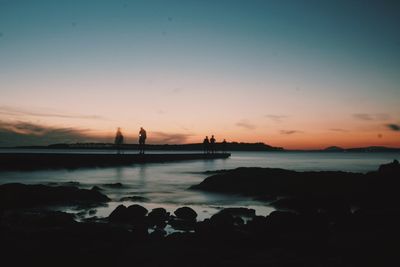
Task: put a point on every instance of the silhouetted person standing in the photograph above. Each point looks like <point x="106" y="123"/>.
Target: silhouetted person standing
<point x="206" y="145"/>
<point x="142" y="140"/>
<point x="212" y="144"/>
<point x="119" y="140"/>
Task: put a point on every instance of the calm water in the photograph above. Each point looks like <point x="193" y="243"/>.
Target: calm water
<point x="166" y="184"/>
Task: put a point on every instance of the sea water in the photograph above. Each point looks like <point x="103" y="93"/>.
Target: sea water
<point x="167" y="184"/>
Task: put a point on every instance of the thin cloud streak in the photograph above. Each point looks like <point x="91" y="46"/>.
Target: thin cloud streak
<point x="167" y="138"/>
<point x="13" y="111"/>
<point x="371" y="117"/>
<point x="393" y="127"/>
<point x="290" y="132"/>
<point x="25" y="133"/>
<point x="246" y="124"/>
<point x="276" y="118"/>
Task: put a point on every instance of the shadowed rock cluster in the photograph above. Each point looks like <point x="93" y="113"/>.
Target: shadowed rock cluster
<point x="311" y="234"/>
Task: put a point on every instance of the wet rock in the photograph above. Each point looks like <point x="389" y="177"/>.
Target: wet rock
<point x="131" y="214"/>
<point x="257" y="224"/>
<point x="96" y="188"/>
<point x="222" y="220"/>
<point x="158" y="234"/>
<point x="181" y="224"/>
<point x="282" y="220"/>
<point x="92" y="212"/>
<point x="158" y="217"/>
<point x="186" y="213"/>
<point x="119" y="214"/>
<point x="20" y="196"/>
<point x="114" y="185"/>
<point x="393" y="167"/>
<point x="242" y="212"/>
<point x="137" y="211"/>
<point x="37" y="218"/>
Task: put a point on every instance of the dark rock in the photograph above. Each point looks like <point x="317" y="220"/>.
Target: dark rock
<point x="259" y="182"/>
<point x="96" y="188"/>
<point x="258" y="226"/>
<point x="238" y="221"/>
<point x="186" y="213"/>
<point x="37" y="218"/>
<point x="282" y="220"/>
<point x="158" y="234"/>
<point x="92" y="212"/>
<point x="158" y="217"/>
<point x="119" y="214"/>
<point x="131" y="214"/>
<point x="393" y="167"/>
<point x="114" y="185"/>
<point x="222" y="220"/>
<point x="20" y="195"/>
<point x="181" y="224"/>
<point x="137" y="211"/>
<point x="242" y="212"/>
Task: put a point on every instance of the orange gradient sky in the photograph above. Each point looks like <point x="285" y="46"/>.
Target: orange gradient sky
<point x="289" y="75"/>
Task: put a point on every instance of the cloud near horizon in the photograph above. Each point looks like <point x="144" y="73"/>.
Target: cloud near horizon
<point x="393" y="127"/>
<point x="371" y="117"/>
<point x="289" y="132"/>
<point x="167" y="138"/>
<point x="21" y="133"/>
<point x="25" y="133"/>
<point x="276" y="118"/>
<point x="13" y="111"/>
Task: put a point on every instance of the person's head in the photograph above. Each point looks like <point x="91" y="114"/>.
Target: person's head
<point x="212" y="136"/>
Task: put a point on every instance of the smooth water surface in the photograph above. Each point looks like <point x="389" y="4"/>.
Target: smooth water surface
<point x="166" y="184"/>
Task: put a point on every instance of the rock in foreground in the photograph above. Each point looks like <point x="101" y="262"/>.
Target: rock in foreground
<point x="17" y="195"/>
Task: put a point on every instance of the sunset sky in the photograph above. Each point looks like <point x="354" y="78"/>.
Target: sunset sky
<point x="294" y="74"/>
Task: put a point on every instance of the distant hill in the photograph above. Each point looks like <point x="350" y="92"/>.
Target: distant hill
<point x="334" y="149"/>
<point x="361" y="149"/>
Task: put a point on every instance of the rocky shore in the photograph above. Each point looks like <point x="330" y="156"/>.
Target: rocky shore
<point x="361" y="229"/>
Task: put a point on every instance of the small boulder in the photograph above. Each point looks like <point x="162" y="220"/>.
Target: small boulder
<point x="96" y="188"/>
<point x="132" y="214"/>
<point x="119" y="214"/>
<point x="114" y="185"/>
<point x="222" y="220"/>
<point x="241" y="212"/>
<point x="158" y="217"/>
<point x="136" y="211"/>
<point x="186" y="213"/>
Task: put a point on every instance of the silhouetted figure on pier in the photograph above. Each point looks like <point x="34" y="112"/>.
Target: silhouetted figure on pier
<point x="206" y="145"/>
<point x="223" y="146"/>
<point x="142" y="140"/>
<point x="119" y="140"/>
<point x="212" y="144"/>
